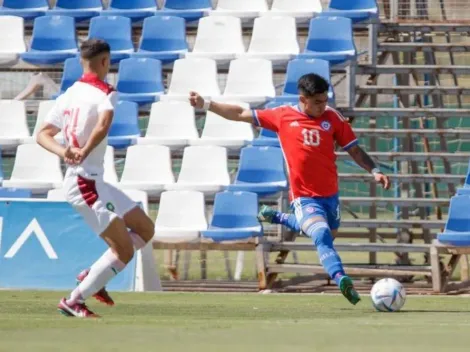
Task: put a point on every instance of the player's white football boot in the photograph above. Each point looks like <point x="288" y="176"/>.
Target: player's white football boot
<point x="79" y="310"/>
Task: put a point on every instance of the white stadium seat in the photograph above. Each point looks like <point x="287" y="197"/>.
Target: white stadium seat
<point x="245" y="9"/>
<point x="147" y="168"/>
<point x="204" y="168"/>
<point x="13" y="123"/>
<point x="225" y="133"/>
<point x="302" y="10"/>
<point x="35" y="168"/>
<point x="219" y="38"/>
<point x="198" y="74"/>
<point x="250" y="80"/>
<point x="171" y="123"/>
<point x="11" y="40"/>
<point x="181" y="217"/>
<point x="274" y="38"/>
<point x="44" y="107"/>
<point x="110" y="174"/>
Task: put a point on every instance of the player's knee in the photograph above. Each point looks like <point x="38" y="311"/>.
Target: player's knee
<point x="319" y="232"/>
<point x="117" y="238"/>
<point x="140" y="223"/>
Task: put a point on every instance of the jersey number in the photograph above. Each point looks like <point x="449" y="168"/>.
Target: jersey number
<point x="311" y="137"/>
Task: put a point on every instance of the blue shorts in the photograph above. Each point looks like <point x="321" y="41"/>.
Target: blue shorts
<point x="326" y="207"/>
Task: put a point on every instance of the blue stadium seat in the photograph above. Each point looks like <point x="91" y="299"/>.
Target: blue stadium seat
<point x="330" y="38"/>
<point x="81" y="10"/>
<point x="136" y="10"/>
<point x="299" y="67"/>
<point x="465" y="190"/>
<point x="266" y="138"/>
<point x="115" y="30"/>
<point x="54" y="40"/>
<point x="261" y="170"/>
<point x="140" y="80"/>
<point x="190" y="10"/>
<point x="163" y="38"/>
<point x="28" y="9"/>
<point x="235" y="217"/>
<point x="72" y="73"/>
<point x="125" y="127"/>
<point x="275" y="103"/>
<point x="15" y="193"/>
<point x="357" y="10"/>
<point x="457" y="230"/>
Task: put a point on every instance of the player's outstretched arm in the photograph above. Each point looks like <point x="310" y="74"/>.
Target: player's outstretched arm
<point x="227" y="111"/>
<point x="99" y="132"/>
<point x="365" y="161"/>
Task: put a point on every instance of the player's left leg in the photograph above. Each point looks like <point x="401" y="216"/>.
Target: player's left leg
<point x="312" y="214"/>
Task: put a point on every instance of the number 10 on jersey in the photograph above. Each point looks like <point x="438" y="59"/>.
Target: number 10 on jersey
<point x="311" y="137"/>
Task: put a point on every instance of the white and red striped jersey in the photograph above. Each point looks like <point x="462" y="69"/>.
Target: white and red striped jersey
<point x="76" y="114"/>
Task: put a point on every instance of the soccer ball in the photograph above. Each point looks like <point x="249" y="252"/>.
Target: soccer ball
<point x="388" y="295"/>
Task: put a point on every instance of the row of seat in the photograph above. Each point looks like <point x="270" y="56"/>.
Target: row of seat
<point x="164" y="38"/>
<point x="171" y="123"/>
<point x="358" y="10"/>
<point x="149" y="168"/>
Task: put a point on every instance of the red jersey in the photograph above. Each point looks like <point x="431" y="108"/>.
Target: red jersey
<point x="308" y="144"/>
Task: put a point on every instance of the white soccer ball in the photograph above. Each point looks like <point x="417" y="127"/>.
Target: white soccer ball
<point x="388" y="295"/>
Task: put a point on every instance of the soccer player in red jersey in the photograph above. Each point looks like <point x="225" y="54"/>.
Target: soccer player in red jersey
<point x="308" y="134"/>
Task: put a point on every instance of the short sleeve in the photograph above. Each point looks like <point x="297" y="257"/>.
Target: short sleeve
<point x="344" y="135"/>
<point x="268" y="118"/>
<point x="55" y="116"/>
<point x="108" y="103"/>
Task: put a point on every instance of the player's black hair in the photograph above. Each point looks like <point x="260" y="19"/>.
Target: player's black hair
<point x="311" y="84"/>
<point x="91" y="48"/>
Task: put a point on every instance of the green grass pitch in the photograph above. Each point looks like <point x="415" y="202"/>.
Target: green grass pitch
<point x="173" y="322"/>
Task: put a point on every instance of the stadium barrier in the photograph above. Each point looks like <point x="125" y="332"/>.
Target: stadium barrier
<point x="44" y="244"/>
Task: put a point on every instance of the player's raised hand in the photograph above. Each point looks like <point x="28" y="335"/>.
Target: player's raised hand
<point x="196" y="100"/>
<point x="383" y="180"/>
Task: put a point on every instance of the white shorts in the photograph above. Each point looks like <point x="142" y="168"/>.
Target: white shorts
<point x="97" y="201"/>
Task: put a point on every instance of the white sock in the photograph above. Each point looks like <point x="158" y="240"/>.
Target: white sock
<point x="101" y="272"/>
<point x="137" y="241"/>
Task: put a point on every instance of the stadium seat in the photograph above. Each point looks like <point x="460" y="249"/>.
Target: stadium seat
<point x="198" y="74"/>
<point x="11" y="40"/>
<point x="44" y="107"/>
<point x="124" y="130"/>
<point x="140" y="80"/>
<point x="234" y="218"/>
<point x="190" y="10"/>
<point x="136" y="10"/>
<point x="250" y="80"/>
<point x="225" y="133"/>
<point x="457" y="230"/>
<point x="28" y="9"/>
<point x="266" y="138"/>
<point x="15" y="193"/>
<point x="261" y="170"/>
<point x="72" y="72"/>
<point x="357" y="11"/>
<point x="274" y="38"/>
<point x="181" y="217"/>
<point x="299" y="67"/>
<point x="117" y="32"/>
<point x="300" y="9"/>
<point x="203" y="169"/>
<point x="245" y="9"/>
<point x="147" y="168"/>
<point x="330" y="38"/>
<point x="465" y="190"/>
<point x="54" y="40"/>
<point x="35" y="168"/>
<point x="275" y="103"/>
<point x="110" y="174"/>
<point x="81" y="10"/>
<point x="1" y="168"/>
<point x="171" y="123"/>
<point x="218" y="38"/>
<point x="13" y="123"/>
<point x="163" y="38"/>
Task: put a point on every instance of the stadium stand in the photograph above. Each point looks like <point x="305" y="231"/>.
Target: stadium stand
<point x="409" y="106"/>
<point x="11" y="40"/>
<point x="43" y="109"/>
<point x="15" y="193"/>
<point x="13" y="125"/>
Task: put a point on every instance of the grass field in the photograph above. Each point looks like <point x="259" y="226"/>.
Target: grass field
<point x="233" y="322"/>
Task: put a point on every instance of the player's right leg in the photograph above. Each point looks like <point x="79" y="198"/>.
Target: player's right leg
<point x="268" y="214"/>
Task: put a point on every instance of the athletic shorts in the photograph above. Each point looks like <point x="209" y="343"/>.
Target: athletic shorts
<point x="326" y="207"/>
<point x="97" y="201"/>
